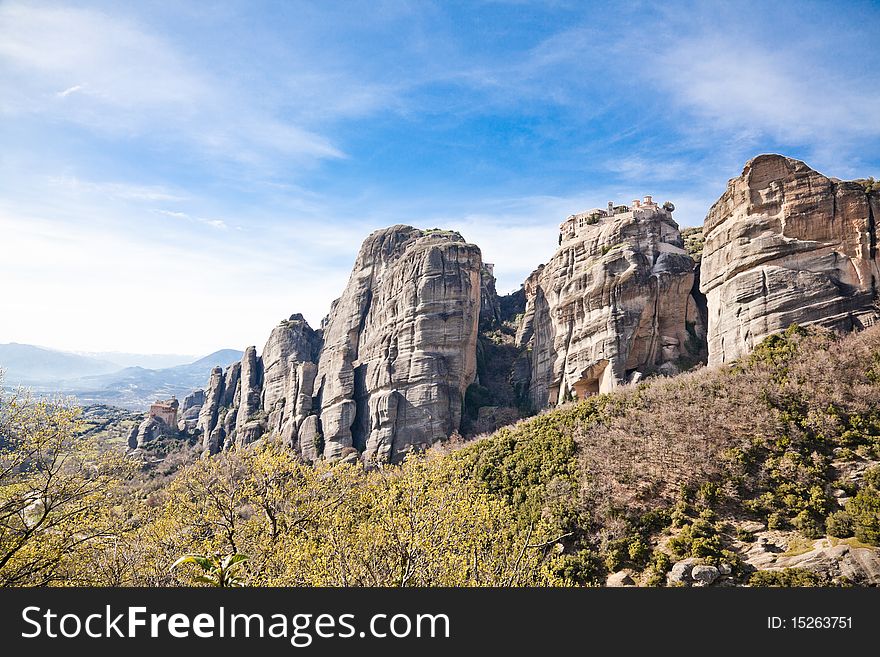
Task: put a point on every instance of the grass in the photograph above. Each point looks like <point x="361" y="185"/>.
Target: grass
<point x="798" y="545"/>
<point x="852" y="542"/>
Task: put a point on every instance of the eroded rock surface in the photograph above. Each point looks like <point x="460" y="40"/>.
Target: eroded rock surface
<point x="613" y="304"/>
<point x="385" y="373"/>
<point x="400" y="344"/>
<point x="783" y="245"/>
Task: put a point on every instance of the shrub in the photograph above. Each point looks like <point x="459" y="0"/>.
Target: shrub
<point x="582" y="569"/>
<point x="699" y="539"/>
<point x="745" y="535"/>
<point x="839" y="525"/>
<point x="790" y="577"/>
<point x="778" y="348"/>
<point x="872" y="477"/>
<point x="661" y="563"/>
<point x="809" y="525"/>
<point x="777" y="521"/>
<point x="865" y="511"/>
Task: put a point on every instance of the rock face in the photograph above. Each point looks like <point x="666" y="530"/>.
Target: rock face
<point x="400" y="344"/>
<point x="785" y="244"/>
<point x="613" y="304"/>
<point x="147" y="431"/>
<point x="860" y="564"/>
<point x="490" y="302"/>
<point x="189" y="411"/>
<point x="386" y="372"/>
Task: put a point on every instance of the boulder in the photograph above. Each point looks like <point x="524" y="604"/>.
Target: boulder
<point x="680" y="573"/>
<point x="703" y="575"/>
<point x="619" y="579"/>
<point x="148" y="431"/>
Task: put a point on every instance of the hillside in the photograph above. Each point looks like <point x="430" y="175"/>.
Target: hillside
<point x="763" y="472"/>
<point x="768" y="464"/>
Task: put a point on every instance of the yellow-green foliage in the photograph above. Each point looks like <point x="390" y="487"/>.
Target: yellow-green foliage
<point x="864" y="509"/>
<point x="560" y="499"/>
<point x="55" y="492"/>
<point x="424" y="523"/>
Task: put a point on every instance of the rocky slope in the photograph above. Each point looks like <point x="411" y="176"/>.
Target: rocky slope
<point x="386" y="372"/>
<point x="785" y="244"/>
<point x="614" y="304"/>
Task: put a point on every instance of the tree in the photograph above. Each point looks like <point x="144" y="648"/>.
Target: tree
<point x="54" y="488"/>
<point x="218" y="571"/>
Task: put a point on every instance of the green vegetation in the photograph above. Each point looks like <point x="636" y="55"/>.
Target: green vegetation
<point x="790" y="577"/>
<point x="217" y="571"/>
<point x="693" y="242"/>
<point x="864" y="509"/>
<point x="611" y="247"/>
<point x="632" y="480"/>
<point x="871" y="186"/>
<point x="442" y="232"/>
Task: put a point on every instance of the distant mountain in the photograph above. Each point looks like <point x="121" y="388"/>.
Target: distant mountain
<point x="150" y="361"/>
<point x="28" y="364"/>
<point x="94" y="381"/>
<point x="222" y="358"/>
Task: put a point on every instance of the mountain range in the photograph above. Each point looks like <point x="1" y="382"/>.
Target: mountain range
<point x="94" y="380"/>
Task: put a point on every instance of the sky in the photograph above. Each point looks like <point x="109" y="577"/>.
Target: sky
<point x="178" y="177"/>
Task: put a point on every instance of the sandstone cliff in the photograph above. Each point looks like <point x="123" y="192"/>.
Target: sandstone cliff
<point x="785" y="244"/>
<point x="613" y="304"/>
<point x="386" y="372"/>
<point x="400" y="344"/>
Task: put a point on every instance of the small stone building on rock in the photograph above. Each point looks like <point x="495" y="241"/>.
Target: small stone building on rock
<point x="165" y="411"/>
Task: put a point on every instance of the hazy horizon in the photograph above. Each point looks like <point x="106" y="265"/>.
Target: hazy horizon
<point x="176" y="181"/>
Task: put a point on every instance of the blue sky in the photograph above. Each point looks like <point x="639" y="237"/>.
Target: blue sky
<point x="179" y="178"/>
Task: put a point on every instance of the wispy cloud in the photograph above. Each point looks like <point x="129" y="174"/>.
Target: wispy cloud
<point x="213" y="223"/>
<point x="122" y="191"/>
<point x="129" y="81"/>
<point x="70" y="90"/>
<point x="747" y="86"/>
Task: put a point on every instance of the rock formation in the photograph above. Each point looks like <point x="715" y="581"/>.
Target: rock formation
<point x="208" y="414"/>
<point x="400" y="344"/>
<point x="619" y="300"/>
<point x="150" y="429"/>
<point x="785" y="244"/>
<point x="288" y="371"/>
<point x="189" y="411"/>
<point x="386" y="372"/>
<point x="613" y="304"/>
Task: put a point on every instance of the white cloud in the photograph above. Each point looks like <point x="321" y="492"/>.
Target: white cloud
<point x="101" y="286"/>
<point x="119" y="78"/>
<point x="122" y="191"/>
<point x="213" y="223"/>
<point x="69" y="90"/>
<point x="783" y="93"/>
